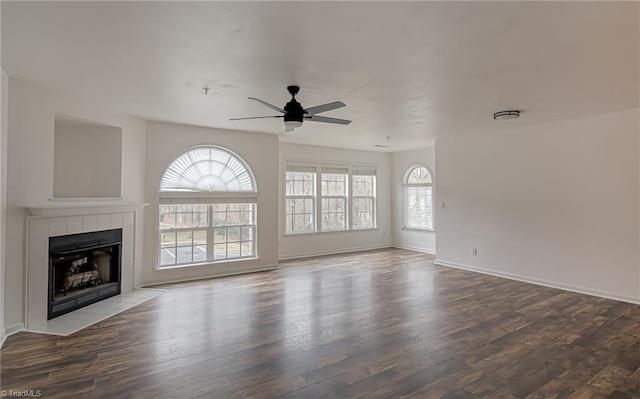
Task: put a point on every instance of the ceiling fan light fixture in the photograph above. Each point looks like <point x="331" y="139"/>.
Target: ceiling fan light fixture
<point x="292" y="124"/>
<point x="506" y="115"/>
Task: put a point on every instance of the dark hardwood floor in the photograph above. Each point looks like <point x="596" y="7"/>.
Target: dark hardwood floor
<point x="380" y="324"/>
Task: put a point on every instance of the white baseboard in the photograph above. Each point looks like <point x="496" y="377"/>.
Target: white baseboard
<point x="213" y="275"/>
<point x="16" y="328"/>
<point x="332" y="252"/>
<point x="417" y="249"/>
<point x="537" y="281"/>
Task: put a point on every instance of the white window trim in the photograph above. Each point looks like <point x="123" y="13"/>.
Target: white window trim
<point x="318" y="197"/>
<point x="205" y="197"/>
<point x="313" y="196"/>
<point x="346" y="197"/>
<point x="209" y="201"/>
<point x="405" y="197"/>
<point x="373" y="198"/>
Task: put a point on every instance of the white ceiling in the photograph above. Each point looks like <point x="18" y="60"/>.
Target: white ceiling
<point x="409" y="71"/>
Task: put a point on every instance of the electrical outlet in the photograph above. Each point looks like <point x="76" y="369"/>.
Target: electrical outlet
<point x="442" y="205"/>
<point x="137" y="264"/>
<point x="474" y="251"/>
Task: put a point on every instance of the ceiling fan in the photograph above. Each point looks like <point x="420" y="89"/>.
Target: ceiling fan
<point x="294" y="114"/>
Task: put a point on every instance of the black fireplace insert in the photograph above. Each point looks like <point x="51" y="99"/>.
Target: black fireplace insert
<point x="83" y="269"/>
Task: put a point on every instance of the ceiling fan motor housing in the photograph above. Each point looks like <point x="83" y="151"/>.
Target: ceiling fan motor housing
<point x="293" y="111"/>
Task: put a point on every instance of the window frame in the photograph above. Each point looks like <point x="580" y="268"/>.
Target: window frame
<point x="373" y="197"/>
<point x="318" y="197"/>
<point x="210" y="233"/>
<point x="208" y="198"/>
<point x="175" y="231"/>
<point x="405" y="205"/>
<point x="312" y="197"/>
<point x="345" y="173"/>
<point x="252" y="226"/>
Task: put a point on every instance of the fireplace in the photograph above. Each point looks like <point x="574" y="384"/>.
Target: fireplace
<point x="83" y="269"/>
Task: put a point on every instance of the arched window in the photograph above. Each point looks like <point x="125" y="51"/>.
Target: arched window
<point x="207" y="208"/>
<point x="418" y="189"/>
<point x="207" y="169"/>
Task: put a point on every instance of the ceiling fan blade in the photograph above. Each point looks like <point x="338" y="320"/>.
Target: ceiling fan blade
<point x="266" y="104"/>
<point x="325" y="107"/>
<point x="257" y="117"/>
<point x="316" y="118"/>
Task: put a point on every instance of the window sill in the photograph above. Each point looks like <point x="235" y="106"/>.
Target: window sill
<point x="417" y="229"/>
<point x="313" y="233"/>
<point x="214" y="263"/>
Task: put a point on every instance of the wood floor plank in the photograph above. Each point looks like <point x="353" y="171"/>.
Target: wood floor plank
<point x="377" y="324"/>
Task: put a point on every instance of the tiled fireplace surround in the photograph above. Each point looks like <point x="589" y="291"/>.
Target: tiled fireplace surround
<point x="63" y="220"/>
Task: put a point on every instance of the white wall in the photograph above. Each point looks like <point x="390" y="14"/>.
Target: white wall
<point x="424" y="241"/>
<point x="87" y="160"/>
<point x="260" y="151"/>
<point x="32" y="111"/>
<point x="291" y="246"/>
<point x="554" y="203"/>
<point x="4" y="88"/>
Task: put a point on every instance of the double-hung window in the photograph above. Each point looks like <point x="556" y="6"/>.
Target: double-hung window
<point x="334" y="198"/>
<point x="207" y="209"/>
<point x="418" y="188"/>
<point x="183" y="233"/>
<point x="326" y="197"/>
<point x="363" y="198"/>
<point x="300" y="188"/>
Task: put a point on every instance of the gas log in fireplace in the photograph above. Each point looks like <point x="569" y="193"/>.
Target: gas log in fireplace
<point x="83" y="269"/>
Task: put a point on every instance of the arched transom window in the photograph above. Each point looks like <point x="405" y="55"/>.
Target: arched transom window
<point x="207" y="169"/>
<point x="418" y="188"/>
<point x="207" y="208"/>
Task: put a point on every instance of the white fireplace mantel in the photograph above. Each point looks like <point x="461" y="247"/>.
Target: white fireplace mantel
<point x="78" y="209"/>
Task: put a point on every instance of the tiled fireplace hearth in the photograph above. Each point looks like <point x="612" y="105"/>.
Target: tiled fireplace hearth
<point x="83" y="242"/>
